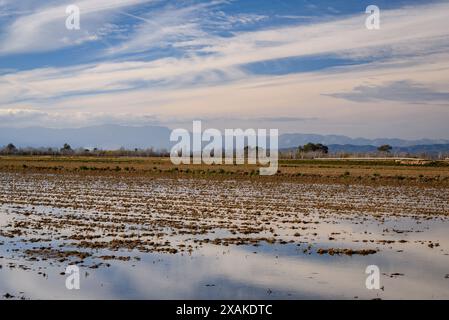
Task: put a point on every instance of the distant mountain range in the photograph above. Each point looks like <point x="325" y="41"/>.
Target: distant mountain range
<point x="429" y="149"/>
<point x="116" y="136"/>
<point x="108" y="137"/>
<point x="298" y="139"/>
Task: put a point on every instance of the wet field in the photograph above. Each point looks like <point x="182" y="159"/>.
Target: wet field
<point x="147" y="237"/>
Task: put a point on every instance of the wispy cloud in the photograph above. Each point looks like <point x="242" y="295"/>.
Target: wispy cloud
<point x="400" y="91"/>
<point x="31" y="118"/>
<point x="180" y="26"/>
<point x="44" y="29"/>
<point x="188" y="59"/>
<point x="227" y="56"/>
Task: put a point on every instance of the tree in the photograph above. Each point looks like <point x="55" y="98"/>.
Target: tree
<point x="66" y="148"/>
<point x="10" y="148"/>
<point x="385" y="148"/>
<point x="311" y="147"/>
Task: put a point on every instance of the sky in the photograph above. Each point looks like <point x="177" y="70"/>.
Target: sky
<point x="297" y="66"/>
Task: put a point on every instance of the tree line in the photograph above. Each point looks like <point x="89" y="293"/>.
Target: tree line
<point x="307" y="151"/>
<point x="67" y="150"/>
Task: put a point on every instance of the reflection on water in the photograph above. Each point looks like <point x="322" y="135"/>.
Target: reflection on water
<point x="200" y="239"/>
<point x="246" y="272"/>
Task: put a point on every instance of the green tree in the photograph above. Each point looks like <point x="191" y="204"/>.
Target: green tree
<point x="311" y="147"/>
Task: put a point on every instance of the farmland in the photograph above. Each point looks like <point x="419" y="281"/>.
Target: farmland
<point x="216" y="231"/>
<point x="341" y="171"/>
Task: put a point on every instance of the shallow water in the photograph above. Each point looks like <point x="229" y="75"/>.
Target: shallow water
<point x="267" y="239"/>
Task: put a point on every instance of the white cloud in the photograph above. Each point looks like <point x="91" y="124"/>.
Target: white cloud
<point x="30" y="117"/>
<point x="44" y="29"/>
<point x="412" y="45"/>
<point x="345" y="37"/>
<point x="170" y="25"/>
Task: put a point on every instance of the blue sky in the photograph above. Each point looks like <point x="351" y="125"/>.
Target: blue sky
<point x="299" y="66"/>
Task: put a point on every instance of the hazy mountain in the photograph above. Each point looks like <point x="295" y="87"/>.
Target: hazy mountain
<point x="105" y="137"/>
<point x="116" y="136"/>
<point x="298" y="139"/>
<point x="430" y="149"/>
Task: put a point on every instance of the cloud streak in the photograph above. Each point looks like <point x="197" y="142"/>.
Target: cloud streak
<point x="226" y="57"/>
<point x="44" y="29"/>
<point x="180" y="61"/>
<point x="32" y="118"/>
<point x="399" y="91"/>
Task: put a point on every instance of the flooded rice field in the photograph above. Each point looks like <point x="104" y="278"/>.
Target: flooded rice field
<point x="140" y="237"/>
